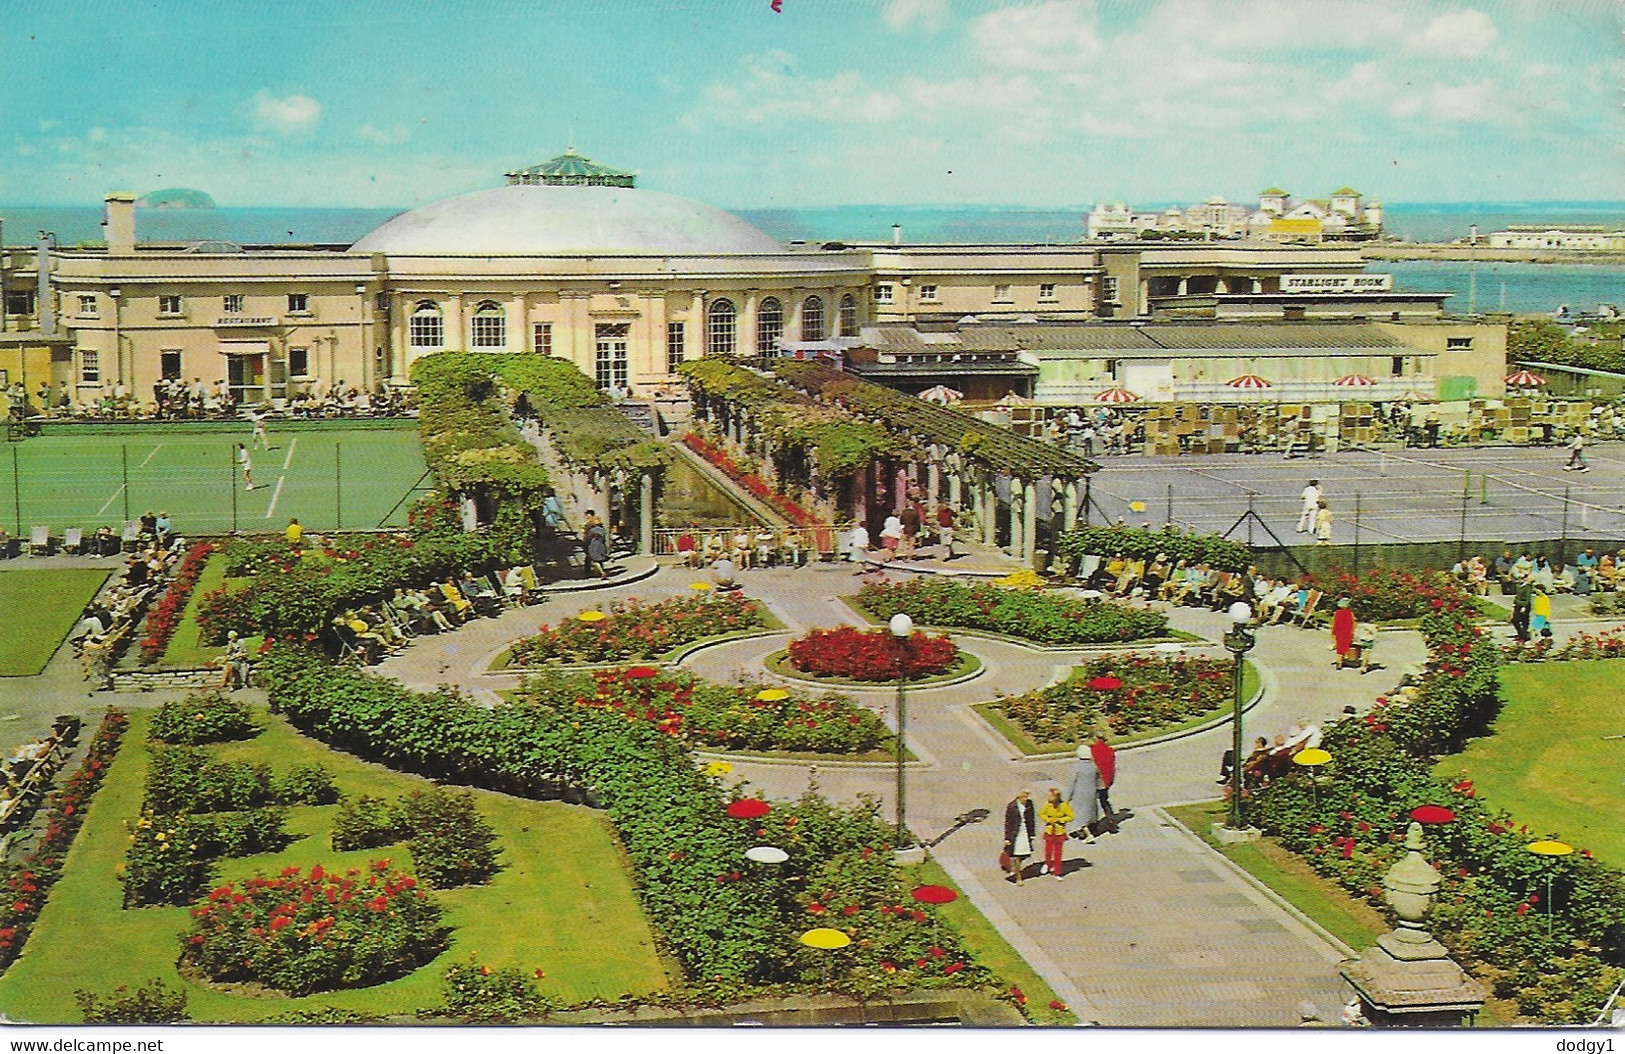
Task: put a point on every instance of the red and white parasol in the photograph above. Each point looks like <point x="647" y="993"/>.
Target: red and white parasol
<point x="1116" y="395"/>
<point x="1354" y="380"/>
<point x="942" y="394"/>
<point x="1249" y="381"/>
<point x="1525" y="379"/>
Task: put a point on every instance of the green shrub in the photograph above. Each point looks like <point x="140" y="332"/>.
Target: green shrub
<point x="1140" y="543"/>
<point x="171" y="858"/>
<point x="451" y="844"/>
<point x="183" y="780"/>
<point x="365" y="823"/>
<point x="306" y="785"/>
<point x="1048" y="618"/>
<point x="154" y="1003"/>
<point x="209" y="718"/>
<point x="481" y="995"/>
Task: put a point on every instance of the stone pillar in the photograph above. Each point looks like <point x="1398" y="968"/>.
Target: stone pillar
<point x="1018" y="515"/>
<point x="646" y="514"/>
<point x="932" y="483"/>
<point x="990" y="513"/>
<point x="1029" y="527"/>
<point x="1069" y="498"/>
<point x="955" y="490"/>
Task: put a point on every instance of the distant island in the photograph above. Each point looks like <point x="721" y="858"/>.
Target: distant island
<point x="175" y="198"/>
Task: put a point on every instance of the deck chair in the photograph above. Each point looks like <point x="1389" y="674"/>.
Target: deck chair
<point x="1087" y="567"/>
<point x="461" y="609"/>
<point x="513" y="587"/>
<point x="401" y="620"/>
<point x="130" y="537"/>
<point x="39" y="541"/>
<point x="527" y="577"/>
<point x="73" y="540"/>
<point x="1304" y="617"/>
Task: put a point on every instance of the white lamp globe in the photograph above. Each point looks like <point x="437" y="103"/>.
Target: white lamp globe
<point x="901" y="625"/>
<point x="1241" y="613"/>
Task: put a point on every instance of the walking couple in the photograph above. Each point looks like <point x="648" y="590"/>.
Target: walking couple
<point x="1087" y="803"/>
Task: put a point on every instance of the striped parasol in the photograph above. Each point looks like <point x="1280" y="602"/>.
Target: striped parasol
<point x="1525" y="379"/>
<point x="1414" y="396"/>
<point x="1249" y="381"/>
<point x="1116" y="395"/>
<point x="1354" y="380"/>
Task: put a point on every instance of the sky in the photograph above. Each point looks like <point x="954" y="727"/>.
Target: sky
<point x="1045" y="103"/>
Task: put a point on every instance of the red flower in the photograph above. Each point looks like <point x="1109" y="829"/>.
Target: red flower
<point x="953" y="968"/>
<point x="1056" y="1004"/>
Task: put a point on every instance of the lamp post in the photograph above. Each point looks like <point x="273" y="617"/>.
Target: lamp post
<point x="902" y="627"/>
<point x="1238" y="642"/>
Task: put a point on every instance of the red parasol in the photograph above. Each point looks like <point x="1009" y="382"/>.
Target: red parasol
<point x="749" y="809"/>
<point x="1106" y="683"/>
<point x="1116" y="395"/>
<point x="1433" y="814"/>
<point x="934" y="895"/>
<point x="1354" y="380"/>
<point x="1249" y="380"/>
<point x="1525" y="379"/>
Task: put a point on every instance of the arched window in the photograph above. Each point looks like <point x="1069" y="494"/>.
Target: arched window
<point x="427" y="327"/>
<point x="812" y="318"/>
<point x="719" y="329"/>
<point x="849" y="315"/>
<point x="769" y="325"/>
<point x="490" y="326"/>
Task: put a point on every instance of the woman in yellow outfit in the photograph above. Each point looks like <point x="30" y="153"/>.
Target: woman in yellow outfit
<point x="1055" y="815"/>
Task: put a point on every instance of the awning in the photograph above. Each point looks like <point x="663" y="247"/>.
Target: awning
<point x="245" y="347"/>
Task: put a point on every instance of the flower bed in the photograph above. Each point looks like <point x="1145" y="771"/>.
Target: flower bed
<point x="633" y="630"/>
<point x="210" y="718"/>
<point x="1385" y="594"/>
<point x="725" y="919"/>
<point x="1604" y="644"/>
<point x="871" y="655"/>
<point x="1047" y="618"/>
<point x="720" y="717"/>
<point x="753" y="483"/>
<point x="305" y="932"/>
<point x="28" y="882"/>
<point x="1151" y="691"/>
<point x="164" y="616"/>
<point x="1557" y="960"/>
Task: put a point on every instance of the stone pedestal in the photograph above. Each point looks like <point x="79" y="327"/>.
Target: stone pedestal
<point x="1226" y="835"/>
<point x="1432" y="992"/>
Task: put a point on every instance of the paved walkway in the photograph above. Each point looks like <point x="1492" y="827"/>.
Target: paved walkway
<point x="1154" y="929"/>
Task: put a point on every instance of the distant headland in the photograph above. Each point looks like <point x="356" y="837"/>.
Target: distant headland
<point x="175" y="198"/>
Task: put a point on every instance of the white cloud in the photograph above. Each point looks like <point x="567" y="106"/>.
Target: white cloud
<point x="1453" y="103"/>
<point x="1057" y="35"/>
<point x="97" y="135"/>
<point x="291" y="113"/>
<point x="900" y="14"/>
<point x="1454" y="35"/>
<point x="384" y="137"/>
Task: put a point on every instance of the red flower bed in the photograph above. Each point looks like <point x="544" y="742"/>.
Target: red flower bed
<point x="165" y="615"/>
<point x="1381" y="594"/>
<point x="27" y="882"/>
<point x="304" y="932"/>
<point x="634" y="630"/>
<point x="871" y="655"/>
<point x="753" y="483"/>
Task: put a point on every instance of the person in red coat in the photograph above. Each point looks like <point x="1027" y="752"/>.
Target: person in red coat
<point x="1343" y="632"/>
<point x="1106" y="761"/>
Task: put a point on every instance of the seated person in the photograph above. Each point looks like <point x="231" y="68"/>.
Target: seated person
<point x="1175" y="582"/>
<point x="1156" y="573"/>
<point x="1566" y="580"/>
<point x="742" y="549"/>
<point x="1255" y="769"/>
<point x="1133" y="572"/>
<point x="688" y="549"/>
<point x="1113" y="571"/>
<point x="1297" y="602"/>
<point x="461" y="610"/>
<point x="1237" y="589"/>
<point x="791" y="548"/>
<point x="1607" y="572"/>
<point x="766" y="547"/>
<point x="1478" y="576"/>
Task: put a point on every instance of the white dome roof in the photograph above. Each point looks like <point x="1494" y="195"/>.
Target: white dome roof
<point x="526" y="220"/>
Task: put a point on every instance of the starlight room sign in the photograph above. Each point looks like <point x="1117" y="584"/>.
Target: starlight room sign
<point x="1336" y="283"/>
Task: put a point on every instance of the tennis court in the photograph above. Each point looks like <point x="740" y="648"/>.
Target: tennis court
<point x="1509" y="494"/>
<point x="329" y="477"/>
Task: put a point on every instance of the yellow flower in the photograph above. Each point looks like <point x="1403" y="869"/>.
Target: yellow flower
<point x="718" y="768"/>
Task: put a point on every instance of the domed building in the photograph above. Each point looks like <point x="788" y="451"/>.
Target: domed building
<point x="571" y="258"/>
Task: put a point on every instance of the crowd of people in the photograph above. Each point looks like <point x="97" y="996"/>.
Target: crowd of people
<point x="744" y="548"/>
<point x="111" y="617"/>
<point x="374" y="631"/>
<point x="1271" y="759"/>
<point x="26" y="773"/>
<point x="176" y="399"/>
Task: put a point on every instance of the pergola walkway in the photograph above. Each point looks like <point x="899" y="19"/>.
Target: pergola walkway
<point x="1156" y="929"/>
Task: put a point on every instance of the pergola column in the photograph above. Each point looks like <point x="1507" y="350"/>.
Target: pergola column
<point x="955" y="489"/>
<point x="1029" y="526"/>
<point x="1069" y="505"/>
<point x="646" y="514"/>
<point x="1018" y="514"/>
<point x="988" y="511"/>
<point x="932" y="482"/>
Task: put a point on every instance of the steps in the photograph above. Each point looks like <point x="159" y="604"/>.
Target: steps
<point x="641" y="414"/>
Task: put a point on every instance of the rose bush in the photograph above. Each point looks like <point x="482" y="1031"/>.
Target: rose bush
<point x="184" y="779"/>
<point x="28" y="881"/>
<point x="871" y="655"/>
<point x="1155" y="692"/>
<point x="165" y="615"/>
<point x="1384" y="594"/>
<point x="207" y="718"/>
<point x="303" y="932"/>
<point x="171" y="859"/>
<point x="1604" y="644"/>
<point x="634" y="630"/>
<point x="1047" y="618"/>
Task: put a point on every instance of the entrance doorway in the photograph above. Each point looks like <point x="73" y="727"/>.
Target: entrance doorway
<point x="245" y="377"/>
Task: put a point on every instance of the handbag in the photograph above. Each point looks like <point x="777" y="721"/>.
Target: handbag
<point x="1004" y="860"/>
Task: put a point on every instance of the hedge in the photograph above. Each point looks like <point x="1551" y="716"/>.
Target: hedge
<point x="1141" y="543"/>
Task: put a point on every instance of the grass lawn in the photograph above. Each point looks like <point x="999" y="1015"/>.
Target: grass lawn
<point x="991" y="949"/>
<point x="563" y="903"/>
<point x="1353" y="922"/>
<point x="53" y="599"/>
<point x="328" y="477"/>
<point x="1019" y="739"/>
<point x="1547" y="762"/>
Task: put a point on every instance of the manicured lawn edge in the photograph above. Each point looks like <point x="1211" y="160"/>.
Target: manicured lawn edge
<point x="28" y="655"/>
<point x="965" y="667"/>
<point x="991" y="949"/>
<point x="1252" y="690"/>
<point x="184" y="648"/>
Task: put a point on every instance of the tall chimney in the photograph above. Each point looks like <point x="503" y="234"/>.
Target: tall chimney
<point x="118" y="229"/>
<point x="44" y="306"/>
<point x="897" y="234"/>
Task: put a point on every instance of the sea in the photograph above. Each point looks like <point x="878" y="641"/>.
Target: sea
<point x="1515" y="287"/>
